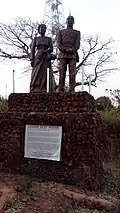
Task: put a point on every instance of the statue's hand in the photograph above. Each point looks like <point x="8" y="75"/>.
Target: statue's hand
<point x="45" y="51"/>
<point x="69" y="51"/>
<point x="32" y="63"/>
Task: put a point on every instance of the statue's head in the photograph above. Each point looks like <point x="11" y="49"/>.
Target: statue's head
<point x="70" y="21"/>
<point x="42" y="29"/>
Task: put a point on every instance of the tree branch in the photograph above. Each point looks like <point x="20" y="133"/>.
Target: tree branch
<point x="10" y="56"/>
<point x="98" y="58"/>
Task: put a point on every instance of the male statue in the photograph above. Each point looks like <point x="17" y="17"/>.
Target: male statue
<point x="68" y="42"/>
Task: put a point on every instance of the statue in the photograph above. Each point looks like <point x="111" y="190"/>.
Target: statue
<point x="68" y="42"/>
<point x="41" y="49"/>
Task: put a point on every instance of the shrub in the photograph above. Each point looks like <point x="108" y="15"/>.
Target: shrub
<point x="3" y="104"/>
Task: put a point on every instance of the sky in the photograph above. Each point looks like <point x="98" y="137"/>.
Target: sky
<point x="91" y="17"/>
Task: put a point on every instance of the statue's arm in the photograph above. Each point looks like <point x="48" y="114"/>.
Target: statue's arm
<point x="59" y="42"/>
<point x="77" y="44"/>
<point x="50" y="49"/>
<point x="32" y="50"/>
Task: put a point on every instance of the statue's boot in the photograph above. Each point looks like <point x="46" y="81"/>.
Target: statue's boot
<point x="72" y="83"/>
<point x="61" y="83"/>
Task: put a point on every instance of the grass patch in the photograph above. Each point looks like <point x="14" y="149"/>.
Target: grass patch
<point x="9" y="204"/>
<point x="112" y="179"/>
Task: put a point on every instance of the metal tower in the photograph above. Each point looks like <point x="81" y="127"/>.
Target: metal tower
<point x="54" y="17"/>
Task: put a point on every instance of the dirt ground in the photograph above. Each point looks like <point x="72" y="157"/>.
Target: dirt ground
<point x="21" y="194"/>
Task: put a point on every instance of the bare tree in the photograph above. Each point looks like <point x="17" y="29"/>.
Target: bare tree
<point x="15" y="38"/>
<point x="96" y="57"/>
<point x="115" y="96"/>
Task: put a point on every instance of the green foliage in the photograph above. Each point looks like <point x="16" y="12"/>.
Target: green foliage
<point x="3" y="104"/>
<point x="104" y="103"/>
<point x="111" y="115"/>
<point x="112" y="184"/>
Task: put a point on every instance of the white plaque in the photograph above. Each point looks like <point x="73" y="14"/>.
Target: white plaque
<point x="43" y="142"/>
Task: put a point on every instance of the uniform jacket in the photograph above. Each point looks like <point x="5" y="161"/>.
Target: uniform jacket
<point x="68" y="38"/>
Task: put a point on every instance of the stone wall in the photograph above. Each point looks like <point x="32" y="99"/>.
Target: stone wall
<point x="82" y="141"/>
<point x="52" y="102"/>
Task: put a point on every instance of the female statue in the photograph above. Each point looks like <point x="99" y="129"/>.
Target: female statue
<point x="40" y="57"/>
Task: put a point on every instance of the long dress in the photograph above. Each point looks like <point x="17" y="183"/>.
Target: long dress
<point x="41" y="61"/>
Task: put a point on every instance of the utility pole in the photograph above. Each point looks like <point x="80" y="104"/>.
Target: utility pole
<point x="13" y="81"/>
<point x="83" y="73"/>
<point x="90" y="76"/>
<point x="6" y="92"/>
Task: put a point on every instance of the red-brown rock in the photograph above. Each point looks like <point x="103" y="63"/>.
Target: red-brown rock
<point x="82" y="142"/>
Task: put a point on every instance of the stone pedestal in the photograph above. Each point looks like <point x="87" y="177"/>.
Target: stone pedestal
<point x="82" y="139"/>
